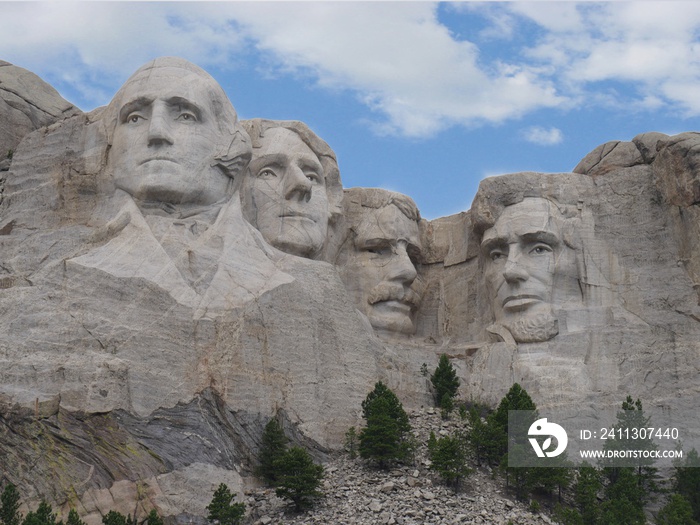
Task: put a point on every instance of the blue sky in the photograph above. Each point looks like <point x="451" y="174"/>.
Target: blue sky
<point x="418" y="97"/>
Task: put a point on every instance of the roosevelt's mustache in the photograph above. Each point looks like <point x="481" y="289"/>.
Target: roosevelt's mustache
<point x="393" y="292"/>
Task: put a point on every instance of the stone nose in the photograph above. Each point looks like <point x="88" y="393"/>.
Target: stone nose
<point x="296" y="184"/>
<point x="513" y="270"/>
<point x="401" y="268"/>
<point x="159" y="131"/>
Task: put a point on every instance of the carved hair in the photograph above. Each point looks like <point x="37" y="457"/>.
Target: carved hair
<point x="256" y="129"/>
<point x="380" y="198"/>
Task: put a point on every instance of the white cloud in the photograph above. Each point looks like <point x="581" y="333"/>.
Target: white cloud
<point x="415" y="74"/>
<point x="94" y="46"/>
<point x="651" y="48"/>
<point x="542" y="136"/>
<point x="399" y="59"/>
<point x="395" y="56"/>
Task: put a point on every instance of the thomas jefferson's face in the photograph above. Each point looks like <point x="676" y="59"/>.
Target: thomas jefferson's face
<point x="285" y="194"/>
<point x="166" y="139"/>
<point x="528" y="267"/>
<point x="380" y="270"/>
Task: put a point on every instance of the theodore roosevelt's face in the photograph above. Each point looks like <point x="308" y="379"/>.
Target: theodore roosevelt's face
<point x="380" y="269"/>
<point x="528" y="268"/>
<point x="166" y="138"/>
<point x="285" y="195"/>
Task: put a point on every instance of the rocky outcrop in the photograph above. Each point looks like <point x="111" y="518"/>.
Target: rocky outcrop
<point x="150" y="331"/>
<point x="356" y="494"/>
<point x="26" y="103"/>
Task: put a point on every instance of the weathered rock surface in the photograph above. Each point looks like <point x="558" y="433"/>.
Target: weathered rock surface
<point x="26" y="103"/>
<point x="148" y="368"/>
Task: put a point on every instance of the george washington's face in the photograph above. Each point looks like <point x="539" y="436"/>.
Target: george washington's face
<point x="166" y="138"/>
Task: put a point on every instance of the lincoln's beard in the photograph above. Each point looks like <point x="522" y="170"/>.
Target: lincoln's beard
<point x="534" y="328"/>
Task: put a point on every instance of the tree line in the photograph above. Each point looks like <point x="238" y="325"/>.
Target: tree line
<point x="600" y="495"/>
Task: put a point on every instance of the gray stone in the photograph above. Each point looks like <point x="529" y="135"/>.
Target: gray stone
<point x="375" y="506"/>
<point x="140" y="307"/>
<point x="27" y="103"/>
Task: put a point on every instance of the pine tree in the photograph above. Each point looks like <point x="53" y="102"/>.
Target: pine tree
<point x="42" y="516"/>
<point x="448" y="458"/>
<point x="274" y="444"/>
<point x="687" y="482"/>
<point x="387" y="436"/>
<point x="629" y="418"/>
<point x="9" y="506"/>
<point x="588" y="486"/>
<point x="115" y="518"/>
<point x="154" y="519"/>
<point x="444" y="380"/>
<point x="446" y="406"/>
<point x="496" y="438"/>
<point x="221" y="510"/>
<point x="676" y="512"/>
<point x="624" y="500"/>
<point x="299" y="478"/>
<point x="476" y="437"/>
<point x="394" y="408"/>
<point x="351" y="442"/>
<point x="74" y="519"/>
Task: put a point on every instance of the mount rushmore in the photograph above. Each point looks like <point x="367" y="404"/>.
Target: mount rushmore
<point x="172" y="277"/>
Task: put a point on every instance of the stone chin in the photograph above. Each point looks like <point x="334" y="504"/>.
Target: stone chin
<point x="391" y="316"/>
<point x="296" y="245"/>
<point x="532" y="329"/>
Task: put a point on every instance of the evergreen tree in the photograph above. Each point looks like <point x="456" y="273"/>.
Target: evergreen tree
<point x="477" y="437"/>
<point x="448" y="458"/>
<point x="444" y="380"/>
<point x="274" y="444"/>
<point x="351" y="442"/>
<point x="387" y="436"/>
<point x="432" y="442"/>
<point x="624" y="500"/>
<point x="221" y="510"/>
<point x="381" y="440"/>
<point x="676" y="512"/>
<point x="588" y="486"/>
<point x="42" y="516"/>
<point x="632" y="417"/>
<point x="154" y="519"/>
<point x="299" y="478"/>
<point x="687" y="482"/>
<point x="497" y="422"/>
<point x="115" y="518"/>
<point x="394" y="408"/>
<point x="74" y="519"/>
<point x="446" y="406"/>
<point x="568" y="516"/>
<point x="9" y="506"/>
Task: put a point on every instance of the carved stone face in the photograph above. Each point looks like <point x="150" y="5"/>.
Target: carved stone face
<point x="528" y="268"/>
<point x="166" y="139"/>
<point x="284" y="194"/>
<point x="379" y="270"/>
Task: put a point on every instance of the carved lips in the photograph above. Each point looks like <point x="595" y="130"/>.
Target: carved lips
<point x="520" y="302"/>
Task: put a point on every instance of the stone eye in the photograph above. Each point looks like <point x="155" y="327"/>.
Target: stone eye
<point x="497" y="255"/>
<point x="189" y="117"/>
<point x="541" y="249"/>
<point x="266" y="173"/>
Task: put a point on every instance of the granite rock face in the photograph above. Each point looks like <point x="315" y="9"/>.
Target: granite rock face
<point x="153" y="324"/>
<point x="26" y="103"/>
